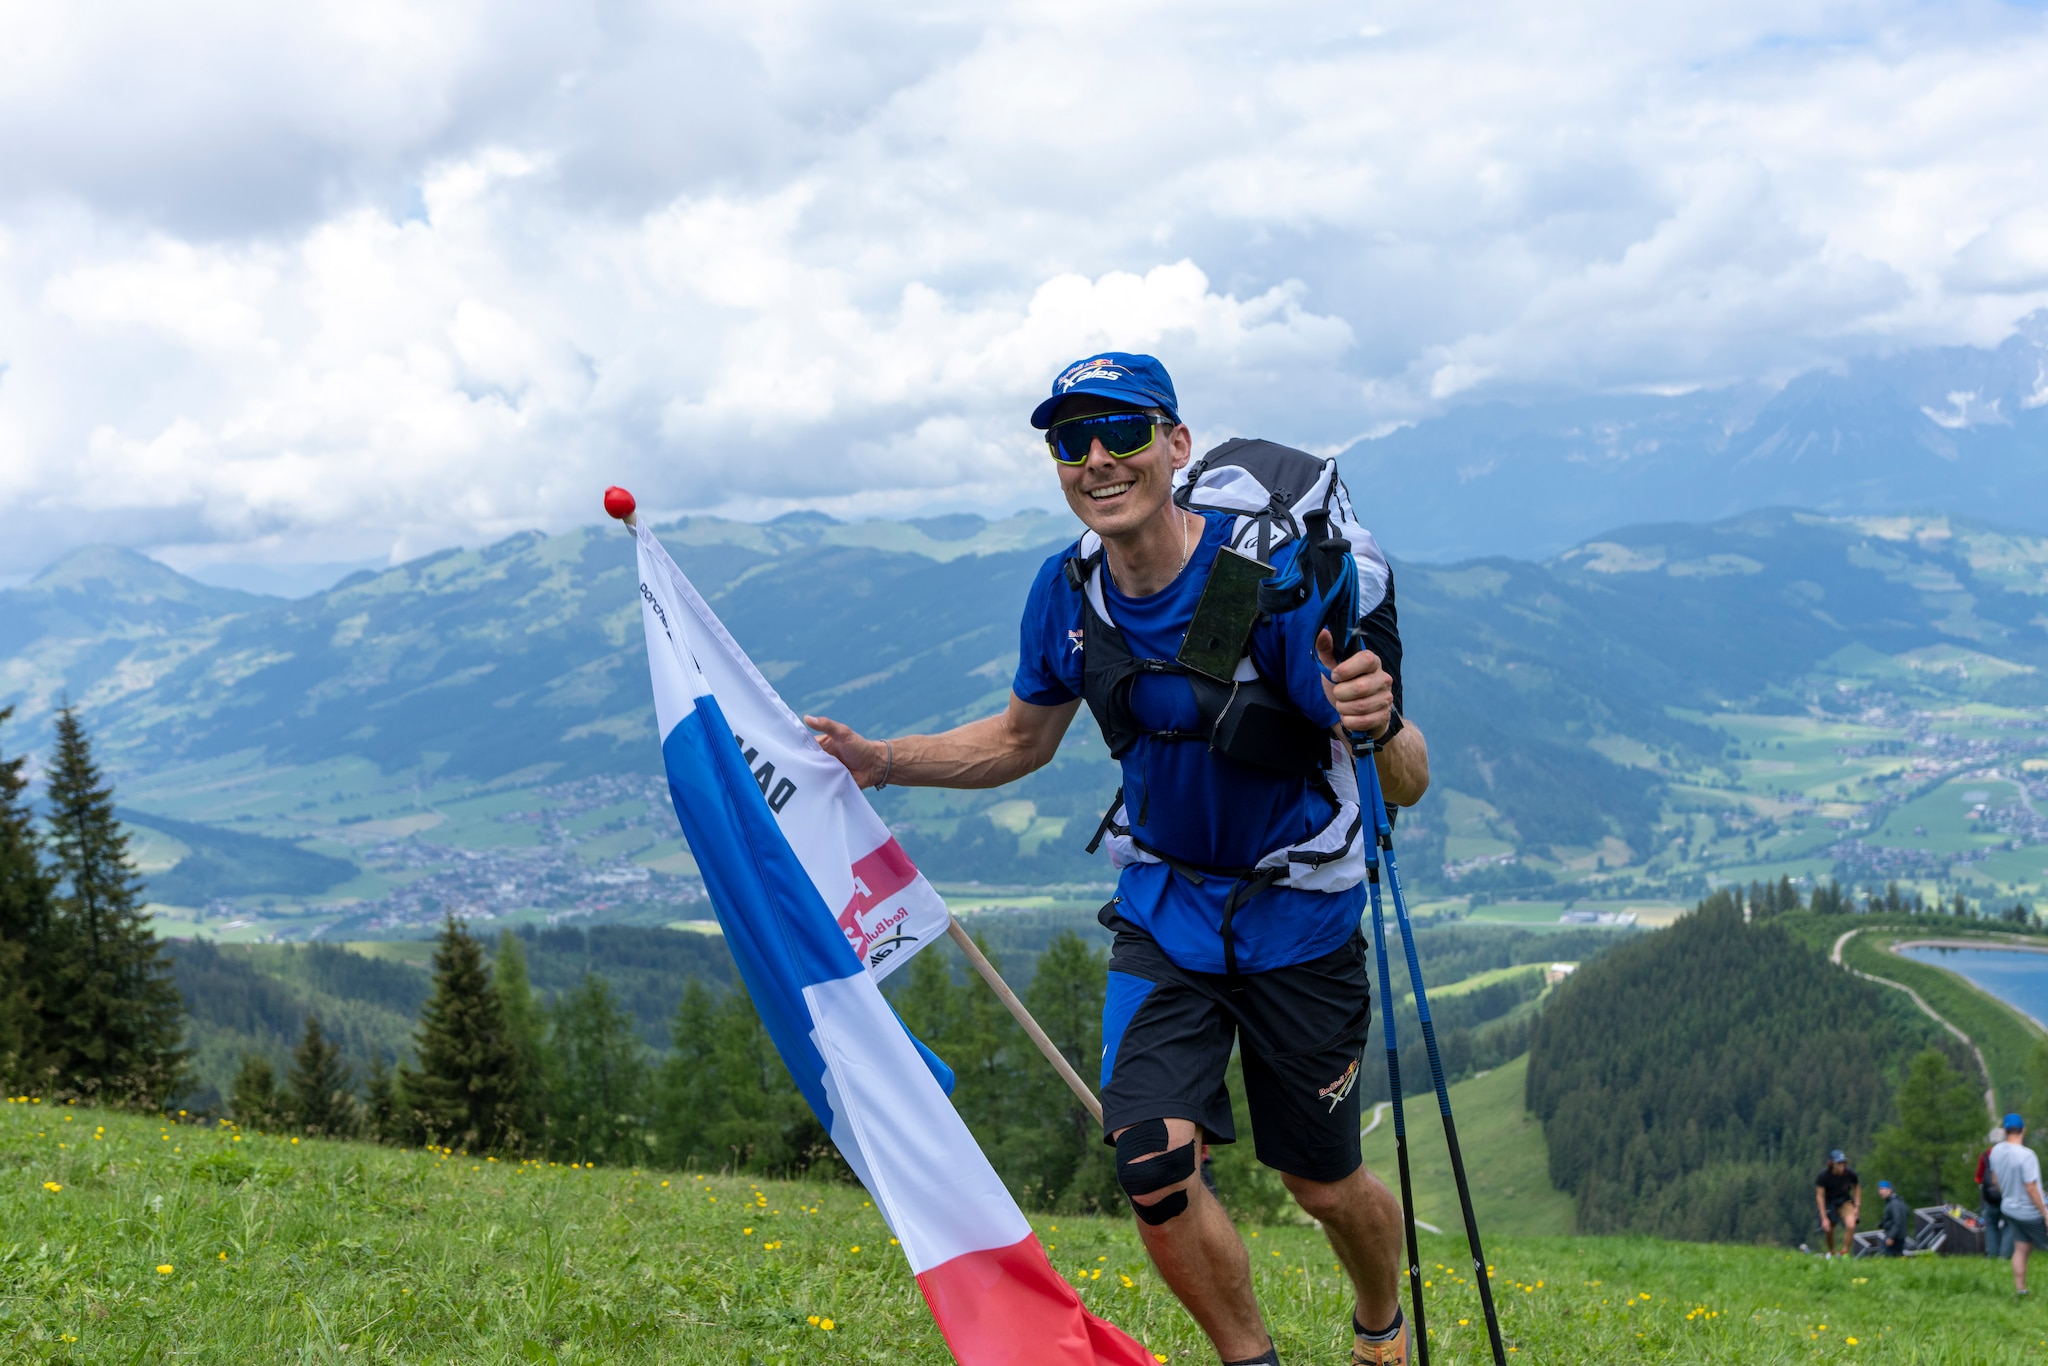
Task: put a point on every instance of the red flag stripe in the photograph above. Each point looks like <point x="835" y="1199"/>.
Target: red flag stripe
<point x="1008" y="1307"/>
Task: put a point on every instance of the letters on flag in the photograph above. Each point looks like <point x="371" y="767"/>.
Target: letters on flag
<point x="818" y="903"/>
<point x="883" y="904"/>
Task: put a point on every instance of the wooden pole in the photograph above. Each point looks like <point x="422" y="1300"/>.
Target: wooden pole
<point x="1023" y="1017"/>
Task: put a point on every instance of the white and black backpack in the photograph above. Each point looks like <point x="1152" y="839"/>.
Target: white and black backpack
<point x="1279" y="495"/>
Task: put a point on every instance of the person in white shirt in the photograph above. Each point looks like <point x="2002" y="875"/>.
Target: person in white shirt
<point x="2018" y="1171"/>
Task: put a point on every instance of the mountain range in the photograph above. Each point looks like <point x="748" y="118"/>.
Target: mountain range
<point x="1574" y="705"/>
<point x="1959" y="430"/>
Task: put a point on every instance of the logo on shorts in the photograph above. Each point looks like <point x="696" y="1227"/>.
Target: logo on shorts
<point x="1337" y="1090"/>
<point x="1074" y="639"/>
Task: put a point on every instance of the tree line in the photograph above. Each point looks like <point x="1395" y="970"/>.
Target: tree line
<point x="1767" y="899"/>
<point x="495" y="1068"/>
<point x="496" y="1062"/>
<point x="87" y="1006"/>
<point x="1691" y="1083"/>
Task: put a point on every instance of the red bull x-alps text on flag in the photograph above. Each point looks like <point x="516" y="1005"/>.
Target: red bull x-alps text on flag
<point x="818" y="902"/>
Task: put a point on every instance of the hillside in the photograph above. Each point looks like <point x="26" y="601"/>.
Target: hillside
<point x="1507" y="1163"/>
<point x="1778" y="692"/>
<point x="254" y="998"/>
<point x="256" y="1249"/>
<point x="1690" y="1082"/>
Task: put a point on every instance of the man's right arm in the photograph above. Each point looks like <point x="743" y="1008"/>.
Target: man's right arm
<point x="986" y="753"/>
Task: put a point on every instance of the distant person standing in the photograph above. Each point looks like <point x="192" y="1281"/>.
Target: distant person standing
<point x="1897" y="1223"/>
<point x="1987" y="1187"/>
<point x="2018" y="1172"/>
<point x="1838" y="1192"/>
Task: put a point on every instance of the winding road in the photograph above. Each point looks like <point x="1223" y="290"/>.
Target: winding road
<point x="1835" y="957"/>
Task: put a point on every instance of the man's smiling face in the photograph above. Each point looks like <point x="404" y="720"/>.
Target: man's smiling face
<point x="1114" y="497"/>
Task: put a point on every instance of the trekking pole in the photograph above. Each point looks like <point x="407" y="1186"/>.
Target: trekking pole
<point x="1379" y="943"/>
<point x="1385" y="839"/>
<point x="1023" y="1017"/>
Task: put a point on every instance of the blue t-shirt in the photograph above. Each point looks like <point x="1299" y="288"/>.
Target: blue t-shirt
<point x="1183" y="799"/>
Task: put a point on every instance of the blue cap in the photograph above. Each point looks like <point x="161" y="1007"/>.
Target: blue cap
<point x="1120" y="375"/>
<point x="2014" y="1122"/>
<point x="1884" y="1185"/>
<point x="1837" y="1155"/>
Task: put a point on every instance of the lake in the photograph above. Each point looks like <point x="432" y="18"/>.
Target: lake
<point x="2015" y="976"/>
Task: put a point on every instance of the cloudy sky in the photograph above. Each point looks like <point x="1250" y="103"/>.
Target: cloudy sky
<point x="345" y="280"/>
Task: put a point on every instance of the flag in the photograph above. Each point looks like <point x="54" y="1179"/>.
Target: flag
<point x="817" y="902"/>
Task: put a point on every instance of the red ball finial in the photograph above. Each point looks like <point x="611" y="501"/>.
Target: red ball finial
<point x="618" y="502"/>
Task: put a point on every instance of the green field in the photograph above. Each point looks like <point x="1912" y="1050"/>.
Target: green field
<point x="125" y="1240"/>
<point x="1507" y="1163"/>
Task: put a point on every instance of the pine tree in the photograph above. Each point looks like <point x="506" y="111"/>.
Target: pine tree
<point x="113" y="1018"/>
<point x="680" y="1121"/>
<point x="380" y="1101"/>
<point x="1928" y="1154"/>
<point x="319" y="1085"/>
<point x="1076" y="1171"/>
<point x="24" y="928"/>
<point x="598" y="1100"/>
<point x="253" y="1099"/>
<point x="466" y="1091"/>
<point x="526" y="1028"/>
<point x="726" y="1100"/>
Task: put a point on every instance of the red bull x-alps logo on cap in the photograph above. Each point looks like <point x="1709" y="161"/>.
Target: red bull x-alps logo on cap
<point x="1090" y="369"/>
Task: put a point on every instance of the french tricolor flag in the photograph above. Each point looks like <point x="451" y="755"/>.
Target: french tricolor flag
<point x="818" y="902"/>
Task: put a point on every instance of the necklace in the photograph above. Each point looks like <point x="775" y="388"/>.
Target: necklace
<point x="1185" y="520"/>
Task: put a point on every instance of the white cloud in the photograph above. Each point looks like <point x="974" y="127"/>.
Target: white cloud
<point x="338" y="280"/>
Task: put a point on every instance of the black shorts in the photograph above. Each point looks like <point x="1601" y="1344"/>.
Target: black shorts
<point x="1301" y="1031"/>
<point x="2031" y="1230"/>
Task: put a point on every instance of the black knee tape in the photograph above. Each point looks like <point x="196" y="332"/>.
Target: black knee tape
<point x="1168" y="1168"/>
<point x="1164" y="1208"/>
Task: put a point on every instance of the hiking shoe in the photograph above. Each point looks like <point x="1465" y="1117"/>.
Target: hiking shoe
<point x="1394" y="1353"/>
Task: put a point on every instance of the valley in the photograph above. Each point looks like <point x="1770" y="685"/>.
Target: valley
<point x="1615" y="732"/>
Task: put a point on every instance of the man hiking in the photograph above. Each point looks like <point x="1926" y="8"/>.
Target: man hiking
<point x="1239" y="842"/>
<point x="1838" y="1193"/>
<point x="2018" y="1172"/>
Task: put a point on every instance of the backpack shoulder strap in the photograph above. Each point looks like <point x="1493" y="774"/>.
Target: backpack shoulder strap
<point x="1083" y="571"/>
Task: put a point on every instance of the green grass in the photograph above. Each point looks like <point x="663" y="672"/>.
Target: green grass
<point x="1481" y="979"/>
<point x="334" y="1252"/>
<point x="1507" y="1163"/>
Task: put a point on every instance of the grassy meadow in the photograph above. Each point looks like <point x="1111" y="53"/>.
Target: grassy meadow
<point x="123" y="1239"/>
<point x="1507" y="1163"/>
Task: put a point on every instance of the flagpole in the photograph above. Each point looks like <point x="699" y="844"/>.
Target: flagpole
<point x="1023" y="1017"/>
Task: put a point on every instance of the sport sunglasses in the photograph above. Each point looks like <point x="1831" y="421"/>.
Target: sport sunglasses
<point x="1121" y="434"/>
